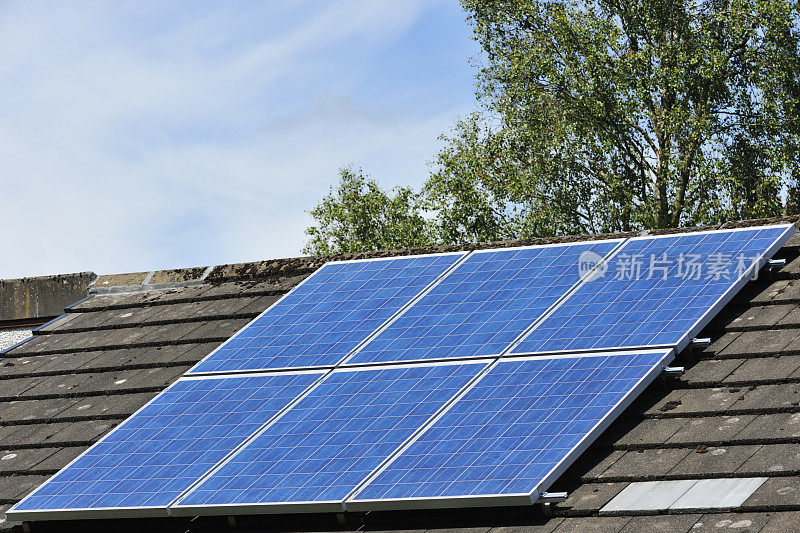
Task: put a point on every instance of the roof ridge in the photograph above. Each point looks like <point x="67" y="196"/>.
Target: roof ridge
<point x="299" y="265"/>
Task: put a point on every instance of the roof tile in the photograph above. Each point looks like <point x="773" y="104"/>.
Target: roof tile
<point x="650" y="431"/>
<point x="61" y="457"/>
<point x="14" y="487"/>
<point x="696" y="401"/>
<point x="591" y="496"/>
<point x="28" y="410"/>
<point x="765" y="368"/>
<point x="593" y="525"/>
<point x="662" y="523"/>
<point x="713" y="461"/>
<point x="761" y="317"/>
<point x="774" y="458"/>
<point x="780" y="425"/>
<point x="547" y="527"/>
<point x="765" y="397"/>
<point x="114" y="406"/>
<point x="645" y="464"/>
<point x="739" y="522"/>
<point x="776" y="492"/>
<point x="759" y="342"/>
<point x="780" y="522"/>
<point x="711" y="370"/>
<point x="13" y="461"/>
<point x="710" y="430"/>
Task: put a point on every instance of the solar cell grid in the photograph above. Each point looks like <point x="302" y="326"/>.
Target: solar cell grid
<point x="482" y="306"/>
<point x="509" y="431"/>
<point x="160" y="451"/>
<point x="323" y="447"/>
<point x="328" y="315"/>
<point x="658" y="291"/>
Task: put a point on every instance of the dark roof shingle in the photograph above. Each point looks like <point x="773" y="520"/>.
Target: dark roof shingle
<point x="734" y="413"/>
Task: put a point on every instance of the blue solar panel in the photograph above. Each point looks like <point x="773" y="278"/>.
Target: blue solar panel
<point x="160" y="451"/>
<point x="484" y="304"/>
<point x="658" y="291"/>
<point x="328" y="315"/>
<point x="523" y="421"/>
<point x="325" y="445"/>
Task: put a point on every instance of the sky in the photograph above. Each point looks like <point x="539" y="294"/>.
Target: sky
<point x="138" y="136"/>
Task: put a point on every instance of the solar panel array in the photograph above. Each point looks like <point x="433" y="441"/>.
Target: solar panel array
<point x="418" y="390"/>
<point x="486" y="303"/>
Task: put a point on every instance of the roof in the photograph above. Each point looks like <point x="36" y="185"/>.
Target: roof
<point x="735" y="413"/>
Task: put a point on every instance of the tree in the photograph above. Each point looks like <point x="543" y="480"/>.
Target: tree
<point x="604" y="116"/>
<point x="360" y="216"/>
<point x="612" y="115"/>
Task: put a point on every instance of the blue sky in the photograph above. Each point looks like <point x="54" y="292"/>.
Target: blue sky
<point x="141" y="135"/>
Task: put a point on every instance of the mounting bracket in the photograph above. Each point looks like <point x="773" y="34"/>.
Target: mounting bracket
<point x="674" y="371"/>
<point x="552" y="497"/>
<point x="775" y="264"/>
<point x="701" y="342"/>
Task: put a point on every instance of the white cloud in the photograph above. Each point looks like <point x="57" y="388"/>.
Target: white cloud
<point x="139" y="136"/>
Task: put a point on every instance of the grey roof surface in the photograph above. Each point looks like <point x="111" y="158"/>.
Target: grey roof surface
<point x="735" y="413"/>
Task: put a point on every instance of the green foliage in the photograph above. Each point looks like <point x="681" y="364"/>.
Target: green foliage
<point x="359" y="216"/>
<point x="606" y="116"/>
<point x="617" y="115"/>
<point x="484" y="189"/>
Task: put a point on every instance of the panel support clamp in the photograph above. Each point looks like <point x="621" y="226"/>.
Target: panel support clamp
<point x="674" y="371"/>
<point x="552" y="497"/>
<point x="701" y="342"/>
<point x="775" y="264"/>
